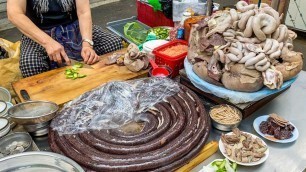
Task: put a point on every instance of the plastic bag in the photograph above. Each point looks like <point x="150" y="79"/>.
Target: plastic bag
<point x="180" y="7"/>
<point x="113" y="105"/>
<point x="135" y="32"/>
<point x="197" y="6"/>
<point x="155" y="4"/>
<point x="167" y="8"/>
<point x="151" y="36"/>
<point x="3" y="53"/>
<point x="9" y="67"/>
<point x="234" y="97"/>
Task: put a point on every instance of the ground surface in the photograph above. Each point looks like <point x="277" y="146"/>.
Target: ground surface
<point x="127" y="8"/>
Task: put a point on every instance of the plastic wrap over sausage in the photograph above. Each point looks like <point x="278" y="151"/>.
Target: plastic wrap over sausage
<point x="169" y="135"/>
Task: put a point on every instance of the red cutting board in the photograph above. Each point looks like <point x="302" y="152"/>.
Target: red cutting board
<point x="53" y="85"/>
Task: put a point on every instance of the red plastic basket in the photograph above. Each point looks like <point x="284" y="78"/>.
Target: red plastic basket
<point x="148" y="16"/>
<point x="175" y="63"/>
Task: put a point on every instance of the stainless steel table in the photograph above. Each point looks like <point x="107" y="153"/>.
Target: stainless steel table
<point x="289" y="157"/>
<point x="283" y="157"/>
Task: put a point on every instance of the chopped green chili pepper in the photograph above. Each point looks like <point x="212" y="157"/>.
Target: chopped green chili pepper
<point x="81" y="76"/>
<point x="78" y="65"/>
<point x="234" y="166"/>
<point x="161" y="33"/>
<point x="73" y="73"/>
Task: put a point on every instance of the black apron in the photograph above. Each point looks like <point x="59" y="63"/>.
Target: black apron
<point x="55" y="16"/>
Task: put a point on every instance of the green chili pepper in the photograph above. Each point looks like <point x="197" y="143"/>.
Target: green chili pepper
<point x="78" y="65"/>
<point x="81" y="76"/>
<point x="69" y="76"/>
<point x="161" y="33"/>
<point x="73" y="72"/>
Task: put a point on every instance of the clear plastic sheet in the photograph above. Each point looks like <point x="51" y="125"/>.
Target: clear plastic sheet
<point x="179" y="7"/>
<point x="113" y="105"/>
<point x="198" y="6"/>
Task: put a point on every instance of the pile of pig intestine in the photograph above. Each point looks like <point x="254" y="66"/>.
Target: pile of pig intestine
<point x="244" y="49"/>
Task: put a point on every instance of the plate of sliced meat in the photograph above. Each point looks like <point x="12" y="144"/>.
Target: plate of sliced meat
<point x="275" y="128"/>
<point x="243" y="148"/>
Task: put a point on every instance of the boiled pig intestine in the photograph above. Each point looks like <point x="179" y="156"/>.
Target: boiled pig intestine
<point x="134" y="59"/>
<point x="254" y="37"/>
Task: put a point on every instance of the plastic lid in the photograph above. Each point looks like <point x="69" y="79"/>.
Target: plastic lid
<point x="149" y="46"/>
<point x="3" y="123"/>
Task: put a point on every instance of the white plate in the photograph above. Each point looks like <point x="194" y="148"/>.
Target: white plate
<point x="2" y="106"/>
<point x="260" y="119"/>
<point x="8" y="106"/>
<point x="263" y="159"/>
<point x="5" y="95"/>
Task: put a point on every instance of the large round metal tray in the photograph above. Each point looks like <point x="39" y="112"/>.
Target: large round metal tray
<point x="33" y="112"/>
<point x="38" y="162"/>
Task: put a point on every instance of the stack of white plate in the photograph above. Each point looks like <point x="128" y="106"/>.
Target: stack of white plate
<point x="5" y="102"/>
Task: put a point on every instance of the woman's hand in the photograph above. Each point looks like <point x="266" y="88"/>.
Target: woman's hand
<point x="56" y="52"/>
<point x="89" y="55"/>
<point x="85" y="21"/>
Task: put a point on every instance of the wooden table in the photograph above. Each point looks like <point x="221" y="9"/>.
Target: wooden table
<point x="53" y="85"/>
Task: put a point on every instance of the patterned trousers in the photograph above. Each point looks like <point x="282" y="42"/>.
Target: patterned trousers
<point x="34" y="58"/>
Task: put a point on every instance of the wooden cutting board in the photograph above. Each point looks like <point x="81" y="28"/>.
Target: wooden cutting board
<point x="53" y="85"/>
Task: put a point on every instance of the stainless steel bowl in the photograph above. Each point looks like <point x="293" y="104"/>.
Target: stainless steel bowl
<point x="225" y="127"/>
<point x="37" y="129"/>
<point x="33" y="112"/>
<point x="16" y="137"/>
<point x="38" y="162"/>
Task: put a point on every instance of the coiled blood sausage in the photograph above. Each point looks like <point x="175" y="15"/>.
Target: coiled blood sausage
<point x="172" y="135"/>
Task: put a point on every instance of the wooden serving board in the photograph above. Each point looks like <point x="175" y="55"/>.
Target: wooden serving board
<point x="53" y="85"/>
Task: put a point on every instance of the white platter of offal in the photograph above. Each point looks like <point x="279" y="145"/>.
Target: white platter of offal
<point x="243" y="148"/>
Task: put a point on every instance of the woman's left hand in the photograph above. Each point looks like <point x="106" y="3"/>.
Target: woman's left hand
<point x="89" y="55"/>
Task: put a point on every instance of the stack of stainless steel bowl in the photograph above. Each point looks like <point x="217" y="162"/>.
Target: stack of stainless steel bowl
<point x="35" y="116"/>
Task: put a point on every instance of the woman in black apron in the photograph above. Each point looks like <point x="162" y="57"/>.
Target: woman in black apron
<point x="56" y="30"/>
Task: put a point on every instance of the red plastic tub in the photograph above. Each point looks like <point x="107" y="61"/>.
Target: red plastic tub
<point x="175" y="63"/>
<point x="148" y="16"/>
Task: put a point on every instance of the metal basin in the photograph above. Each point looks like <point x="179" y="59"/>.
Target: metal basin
<point x="33" y="112"/>
<point x="38" y="162"/>
<point x="22" y="137"/>
<point x="225" y="127"/>
<point x="37" y="129"/>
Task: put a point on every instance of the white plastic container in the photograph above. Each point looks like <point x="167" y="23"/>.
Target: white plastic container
<point x="149" y="46"/>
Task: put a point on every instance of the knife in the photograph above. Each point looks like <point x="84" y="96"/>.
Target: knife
<point x="25" y="95"/>
<point x="73" y="62"/>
